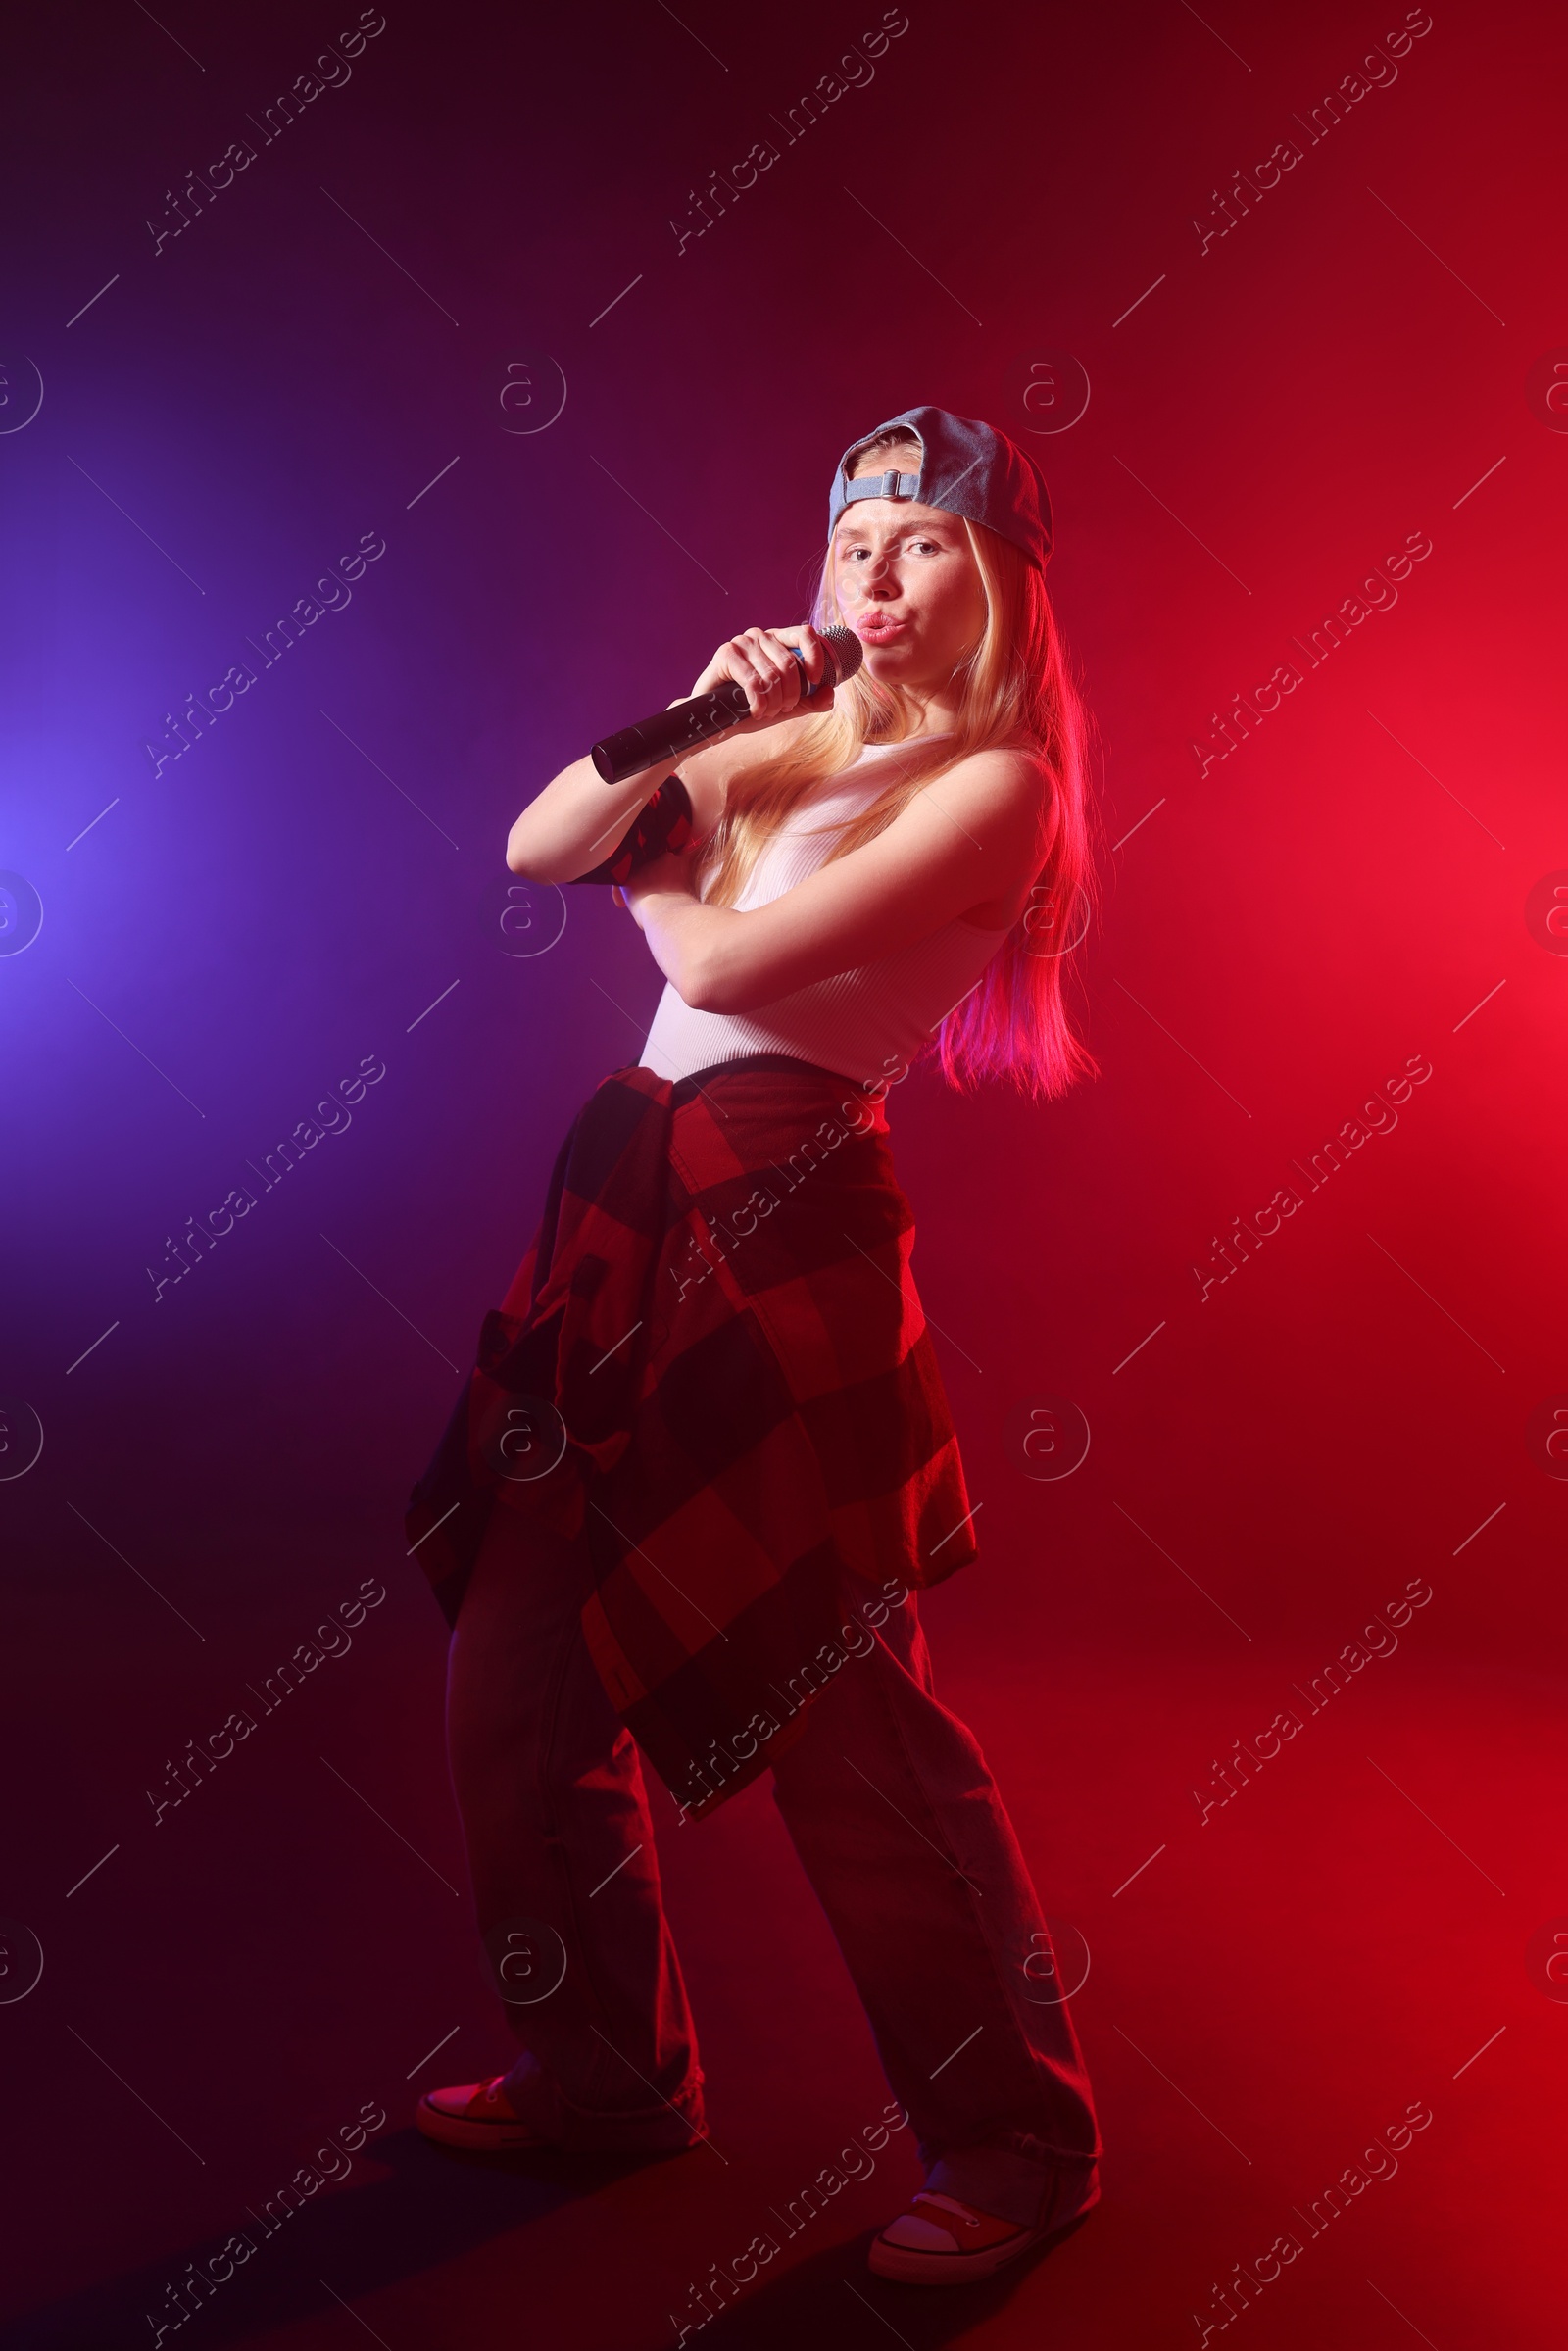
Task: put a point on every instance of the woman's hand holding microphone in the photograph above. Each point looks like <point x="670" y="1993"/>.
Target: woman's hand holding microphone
<point x="779" y="669"/>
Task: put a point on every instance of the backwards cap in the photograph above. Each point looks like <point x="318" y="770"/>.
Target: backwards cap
<point x="966" y="467"/>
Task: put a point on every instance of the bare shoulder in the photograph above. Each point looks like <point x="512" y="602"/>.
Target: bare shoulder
<point x="1010" y="785"/>
<point x="1004" y="798"/>
<point x="1005" y="771"/>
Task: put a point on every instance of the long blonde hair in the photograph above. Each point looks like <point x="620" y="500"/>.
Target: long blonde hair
<point x="1018" y="692"/>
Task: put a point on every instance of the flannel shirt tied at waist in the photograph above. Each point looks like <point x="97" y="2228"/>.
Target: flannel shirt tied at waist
<point x="713" y="1367"/>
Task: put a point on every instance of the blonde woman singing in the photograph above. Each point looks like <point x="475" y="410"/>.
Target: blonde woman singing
<point x="704" y="1461"/>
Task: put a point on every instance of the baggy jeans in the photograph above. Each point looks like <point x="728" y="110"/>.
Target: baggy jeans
<point x="898" y="1825"/>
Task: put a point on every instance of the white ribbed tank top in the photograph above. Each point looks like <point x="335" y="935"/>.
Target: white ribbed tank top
<point x="867" y="1023"/>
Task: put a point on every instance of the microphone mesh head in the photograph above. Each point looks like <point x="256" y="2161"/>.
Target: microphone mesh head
<point x="844" y="653"/>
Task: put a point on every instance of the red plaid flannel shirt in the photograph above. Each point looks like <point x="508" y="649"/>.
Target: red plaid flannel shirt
<point x="713" y="1367"/>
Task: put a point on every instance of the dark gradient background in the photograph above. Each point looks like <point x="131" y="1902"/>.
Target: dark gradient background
<point x="323" y="353"/>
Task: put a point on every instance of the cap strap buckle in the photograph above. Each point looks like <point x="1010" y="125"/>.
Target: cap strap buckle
<point x="883" y="485"/>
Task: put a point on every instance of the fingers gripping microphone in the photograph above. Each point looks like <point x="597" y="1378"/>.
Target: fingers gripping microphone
<point x="670" y="732"/>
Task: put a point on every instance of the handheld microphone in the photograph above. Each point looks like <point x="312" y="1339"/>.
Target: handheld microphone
<point x="670" y="732"/>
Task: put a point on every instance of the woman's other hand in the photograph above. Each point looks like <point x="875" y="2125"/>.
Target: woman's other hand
<point x="673" y="874"/>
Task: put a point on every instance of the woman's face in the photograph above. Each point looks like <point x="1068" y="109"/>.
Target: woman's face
<point x="907" y="584"/>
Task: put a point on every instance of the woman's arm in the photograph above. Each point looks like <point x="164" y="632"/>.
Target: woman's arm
<point x="981" y="832"/>
<point x="578" y="819"/>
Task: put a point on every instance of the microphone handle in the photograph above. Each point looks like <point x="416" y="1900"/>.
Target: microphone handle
<point x="669" y="733"/>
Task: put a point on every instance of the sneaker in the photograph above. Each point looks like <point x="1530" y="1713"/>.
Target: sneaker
<point x="484" y="2116"/>
<point x="937" y="2241"/>
<point x="476" y="2114"/>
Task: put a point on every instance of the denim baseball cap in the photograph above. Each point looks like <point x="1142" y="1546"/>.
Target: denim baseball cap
<point x="967" y="467"/>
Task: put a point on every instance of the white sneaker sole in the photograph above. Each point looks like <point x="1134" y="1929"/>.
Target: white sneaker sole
<point x="500" y="2138"/>
<point x="910" y="2267"/>
<point x="914" y="2267"/>
<point x="460" y="2130"/>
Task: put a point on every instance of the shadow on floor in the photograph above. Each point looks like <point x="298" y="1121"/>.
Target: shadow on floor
<point x="825" y="2302"/>
<point x="436" y="2205"/>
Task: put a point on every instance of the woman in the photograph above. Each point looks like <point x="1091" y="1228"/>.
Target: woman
<point x="706" y="1458"/>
